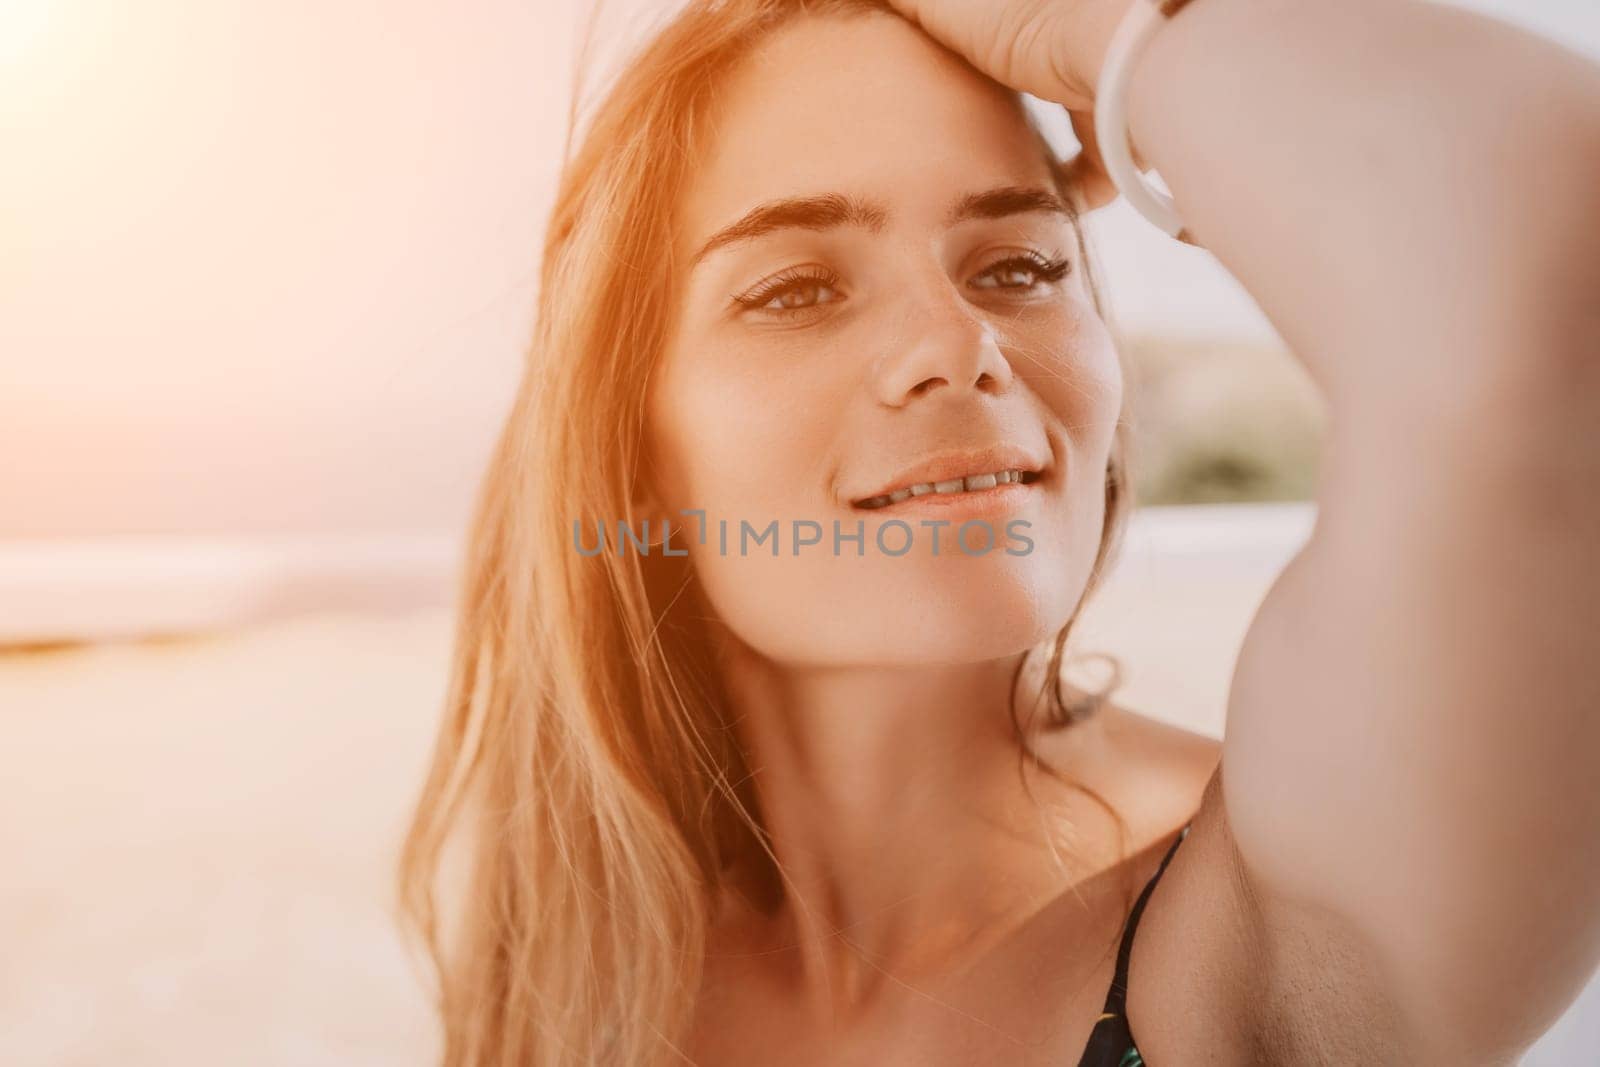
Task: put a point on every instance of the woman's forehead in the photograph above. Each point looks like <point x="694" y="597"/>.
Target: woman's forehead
<point x="868" y="105"/>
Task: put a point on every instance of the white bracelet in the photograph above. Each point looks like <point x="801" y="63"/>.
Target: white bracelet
<point x="1143" y="20"/>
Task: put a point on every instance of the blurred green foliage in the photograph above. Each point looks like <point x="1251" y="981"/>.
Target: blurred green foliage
<point x="1218" y="422"/>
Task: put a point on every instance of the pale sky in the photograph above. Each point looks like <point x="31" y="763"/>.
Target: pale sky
<point x="268" y="266"/>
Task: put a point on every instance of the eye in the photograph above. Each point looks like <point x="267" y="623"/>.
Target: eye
<point x="795" y="291"/>
<point x="1024" y="271"/>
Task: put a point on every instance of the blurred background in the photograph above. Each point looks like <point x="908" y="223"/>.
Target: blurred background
<point x="266" y="271"/>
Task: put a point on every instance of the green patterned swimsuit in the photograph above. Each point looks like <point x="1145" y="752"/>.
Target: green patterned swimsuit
<point x="1111" y="1043"/>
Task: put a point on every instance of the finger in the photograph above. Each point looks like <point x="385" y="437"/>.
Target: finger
<point x="1018" y="43"/>
<point x="1086" y="171"/>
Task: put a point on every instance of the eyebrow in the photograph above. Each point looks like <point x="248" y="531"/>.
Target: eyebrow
<point x="829" y="210"/>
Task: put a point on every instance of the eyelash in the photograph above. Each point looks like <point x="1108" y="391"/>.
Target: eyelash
<point x="1044" y="269"/>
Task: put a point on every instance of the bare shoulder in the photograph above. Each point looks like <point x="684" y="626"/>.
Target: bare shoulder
<point x="1221" y="975"/>
<point x="1158" y="772"/>
<point x="1148" y="745"/>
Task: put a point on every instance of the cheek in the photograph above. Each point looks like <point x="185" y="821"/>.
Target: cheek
<point x="1071" y="365"/>
<point x="745" y="435"/>
<point x="753" y="466"/>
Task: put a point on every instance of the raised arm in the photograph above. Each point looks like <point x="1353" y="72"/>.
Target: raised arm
<point x="1412" y="195"/>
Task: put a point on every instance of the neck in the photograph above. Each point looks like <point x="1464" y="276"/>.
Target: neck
<point x="908" y="839"/>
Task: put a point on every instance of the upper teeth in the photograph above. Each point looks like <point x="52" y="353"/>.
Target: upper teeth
<point x="954" y="485"/>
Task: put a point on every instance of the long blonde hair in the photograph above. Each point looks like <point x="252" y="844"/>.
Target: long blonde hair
<point x="585" y="784"/>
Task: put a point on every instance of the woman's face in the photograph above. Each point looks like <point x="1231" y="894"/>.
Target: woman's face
<point x="873" y="271"/>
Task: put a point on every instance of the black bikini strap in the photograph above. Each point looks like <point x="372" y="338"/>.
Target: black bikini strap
<point x="1116" y="998"/>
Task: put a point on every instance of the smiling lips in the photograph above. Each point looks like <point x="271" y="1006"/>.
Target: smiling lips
<point x="957" y="472"/>
<point x="971" y="483"/>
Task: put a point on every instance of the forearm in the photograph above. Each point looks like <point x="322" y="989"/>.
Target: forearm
<point x="1410" y="192"/>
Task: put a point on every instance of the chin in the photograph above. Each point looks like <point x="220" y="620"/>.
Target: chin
<point x="989" y="608"/>
<point x="947" y="617"/>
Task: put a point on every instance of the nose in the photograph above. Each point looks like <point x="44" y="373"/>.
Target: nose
<point x="947" y="348"/>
